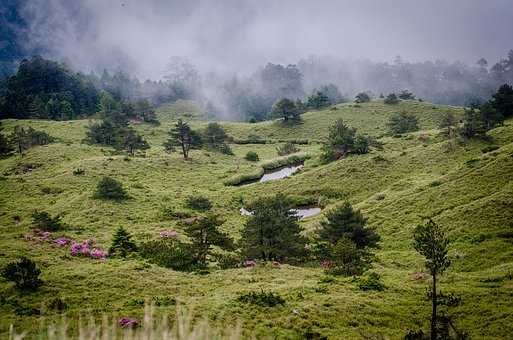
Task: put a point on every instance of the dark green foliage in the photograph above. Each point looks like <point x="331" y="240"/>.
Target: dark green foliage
<point x="318" y="100"/>
<point x="502" y="101"/>
<point x="473" y="124"/>
<point x="333" y="93"/>
<point x="23" y="138"/>
<point x="252" y="156"/>
<point x="272" y="233"/>
<point x="181" y="135"/>
<point x="344" y="221"/>
<point x="42" y="220"/>
<point x="78" y="172"/>
<point x="110" y="189"/>
<point x="286" y="109"/>
<point x="57" y="304"/>
<point x="391" y="99"/>
<point x="122" y="243"/>
<point x="287" y="149"/>
<point x="24" y="273"/>
<point x="403" y="122"/>
<point x="132" y="142"/>
<point x="215" y="137"/>
<point x="362" y="97"/>
<point x="346" y="258"/>
<point x="204" y="234"/>
<point x="228" y="261"/>
<point x="46" y="89"/>
<point x="430" y="241"/>
<point x="5" y="144"/>
<point x="197" y="202"/>
<point x="406" y="95"/>
<point x="448" y="124"/>
<point x="372" y="281"/>
<point x="262" y="299"/>
<point x="342" y="140"/>
<point x="169" y="253"/>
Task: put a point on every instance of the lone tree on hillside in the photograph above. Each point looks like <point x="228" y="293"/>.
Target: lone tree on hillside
<point x="431" y="242"/>
<point x="406" y="95"/>
<point x="204" y="234"/>
<point x="110" y="189"/>
<point x="122" y="243"/>
<point x="286" y="109"/>
<point x="343" y="140"/>
<point x="403" y="122"/>
<point x="181" y="135"/>
<point x="318" y="100"/>
<point x="391" y="99"/>
<point x="347" y="240"/>
<point x="362" y="97"/>
<point x="272" y="233"/>
<point x="215" y="137"/>
<point x="132" y="142"/>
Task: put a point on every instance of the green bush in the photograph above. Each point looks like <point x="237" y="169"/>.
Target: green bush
<point x="370" y="282"/>
<point x="42" y="220"/>
<point x="197" y="202"/>
<point x="110" y="189"/>
<point x="262" y="299"/>
<point x="252" y="156"/>
<point x="403" y="122"/>
<point x="122" y="243"/>
<point x="168" y="253"/>
<point x="287" y="149"/>
<point x="24" y="274"/>
<point x="245" y="178"/>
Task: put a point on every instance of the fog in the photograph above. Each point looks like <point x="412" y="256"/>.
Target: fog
<point x="234" y="35"/>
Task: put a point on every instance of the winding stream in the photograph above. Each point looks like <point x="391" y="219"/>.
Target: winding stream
<point x="301" y="213"/>
<point x="279" y="174"/>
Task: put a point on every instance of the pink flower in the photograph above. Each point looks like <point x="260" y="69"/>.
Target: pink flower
<point x="168" y="233"/>
<point x="127" y="323"/>
<point x="62" y="241"/>
<point x="249" y="263"/>
<point x="98" y="253"/>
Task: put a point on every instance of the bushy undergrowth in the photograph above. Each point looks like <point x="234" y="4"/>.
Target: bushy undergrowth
<point x="294" y="159"/>
<point x="244" y="178"/>
<point x="110" y="189"/>
<point x="198" y="202"/>
<point x="24" y="273"/>
<point x="264" y="299"/>
<point x="42" y="220"/>
<point x="169" y="253"/>
<point x="252" y="156"/>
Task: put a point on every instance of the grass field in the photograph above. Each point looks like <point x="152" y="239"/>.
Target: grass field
<point x="468" y="191"/>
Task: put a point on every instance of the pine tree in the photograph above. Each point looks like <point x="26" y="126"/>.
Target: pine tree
<point x="431" y="242"/>
<point x="204" y="234"/>
<point x="110" y="189"/>
<point x="273" y="233"/>
<point x="132" y="142"/>
<point x="344" y="221"/>
<point x="181" y="135"/>
<point x="122" y="243"/>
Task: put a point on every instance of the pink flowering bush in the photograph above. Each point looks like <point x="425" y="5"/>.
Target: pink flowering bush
<point x="127" y="323"/>
<point x="169" y="234"/>
<point x="62" y="241"/>
<point x="98" y="254"/>
<point x="85" y="249"/>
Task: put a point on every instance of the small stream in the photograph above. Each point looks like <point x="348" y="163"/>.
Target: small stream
<point x="279" y="174"/>
<point x="301" y="213"/>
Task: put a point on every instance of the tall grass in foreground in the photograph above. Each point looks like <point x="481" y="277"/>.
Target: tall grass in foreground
<point x="150" y="328"/>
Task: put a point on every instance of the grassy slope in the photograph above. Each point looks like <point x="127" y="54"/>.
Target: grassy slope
<point x="413" y="177"/>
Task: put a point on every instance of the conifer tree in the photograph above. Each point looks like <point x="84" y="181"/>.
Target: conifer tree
<point x="122" y="243"/>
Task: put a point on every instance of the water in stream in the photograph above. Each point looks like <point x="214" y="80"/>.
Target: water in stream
<point x="279" y="174"/>
<point x="301" y="213"/>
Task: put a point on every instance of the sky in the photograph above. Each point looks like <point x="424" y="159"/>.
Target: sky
<point x="240" y="35"/>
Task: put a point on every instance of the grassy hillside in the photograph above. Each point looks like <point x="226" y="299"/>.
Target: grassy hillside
<point x="467" y="191"/>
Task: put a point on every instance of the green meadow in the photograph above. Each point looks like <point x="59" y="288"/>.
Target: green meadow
<point x="468" y="190"/>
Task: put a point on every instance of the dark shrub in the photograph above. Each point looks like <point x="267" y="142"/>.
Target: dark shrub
<point x="403" y="122"/>
<point x="42" y="220"/>
<point x="110" y="189"/>
<point x="24" y="274"/>
<point x="362" y="97"/>
<point x="200" y="203"/>
<point x="262" y="299"/>
<point x="122" y="243"/>
<point x="391" y="99"/>
<point x="78" y="172"/>
<point x="252" y="156"/>
<point x="370" y="282"/>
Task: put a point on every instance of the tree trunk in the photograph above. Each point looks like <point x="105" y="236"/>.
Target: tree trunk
<point x="433" y="312"/>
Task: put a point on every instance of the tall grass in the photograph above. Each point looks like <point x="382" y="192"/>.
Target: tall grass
<point x="149" y="328"/>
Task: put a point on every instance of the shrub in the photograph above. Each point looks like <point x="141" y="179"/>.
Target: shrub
<point x="245" y="178"/>
<point x="391" y="99"/>
<point x="287" y="149"/>
<point x="42" y="220"/>
<point x="347" y="259"/>
<point x="370" y="282"/>
<point x="252" y="156"/>
<point x="362" y="97"/>
<point x="24" y="274"/>
<point x="110" y="189"/>
<point x="403" y="122"/>
<point x="294" y="159"/>
<point x="200" y="203"/>
<point x="122" y="243"/>
<point x="227" y="261"/>
<point x="168" y="252"/>
<point x="262" y="299"/>
<point x="78" y="172"/>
